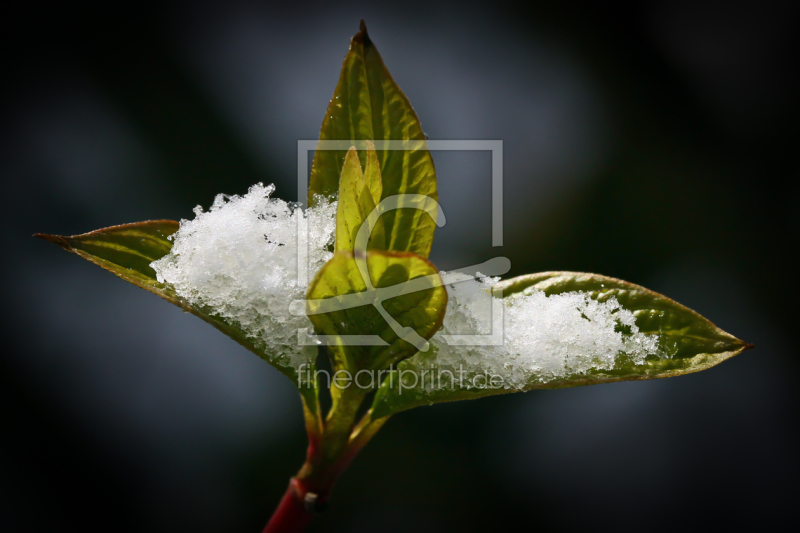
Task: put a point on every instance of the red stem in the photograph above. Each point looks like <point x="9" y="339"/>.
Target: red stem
<point x="291" y="515"/>
<point x="308" y="492"/>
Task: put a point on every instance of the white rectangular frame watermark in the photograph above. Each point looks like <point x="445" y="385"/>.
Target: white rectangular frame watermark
<point x="495" y="338"/>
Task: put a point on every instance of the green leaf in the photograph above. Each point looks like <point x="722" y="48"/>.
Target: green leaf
<point x="693" y="342"/>
<point x="368" y="105"/>
<point x="358" y="195"/>
<point x="409" y="289"/>
<point x="127" y="252"/>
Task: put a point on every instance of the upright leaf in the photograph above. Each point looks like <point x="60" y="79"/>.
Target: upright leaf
<point x="368" y="105"/>
<point x="691" y="343"/>
<point x="372" y="174"/>
<point x="358" y="195"/>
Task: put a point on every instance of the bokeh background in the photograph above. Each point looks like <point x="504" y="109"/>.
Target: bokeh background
<point x="655" y="143"/>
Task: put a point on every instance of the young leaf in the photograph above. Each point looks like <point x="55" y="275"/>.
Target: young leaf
<point x="127" y="251"/>
<point x="368" y="105"/>
<point x="691" y="342"/>
<point x="358" y="195"/>
<point x="406" y="286"/>
<point x="372" y="174"/>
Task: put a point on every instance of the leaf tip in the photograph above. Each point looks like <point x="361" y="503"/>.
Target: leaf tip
<point x="55" y="239"/>
<point x="362" y="36"/>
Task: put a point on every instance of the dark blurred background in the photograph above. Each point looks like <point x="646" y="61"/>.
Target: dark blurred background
<point x="655" y="143"/>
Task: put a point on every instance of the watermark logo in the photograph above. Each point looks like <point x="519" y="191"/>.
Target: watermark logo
<point x="400" y="379"/>
<point x="376" y="296"/>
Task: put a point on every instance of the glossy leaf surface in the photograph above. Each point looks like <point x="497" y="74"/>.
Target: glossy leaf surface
<point x="692" y="342"/>
<point x="368" y="105"/>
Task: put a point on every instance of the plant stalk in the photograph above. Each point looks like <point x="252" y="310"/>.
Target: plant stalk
<point x="332" y="445"/>
<point x="291" y="516"/>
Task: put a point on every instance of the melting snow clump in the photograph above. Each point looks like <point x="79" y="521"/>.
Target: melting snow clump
<point x="545" y="337"/>
<point x="239" y="260"/>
